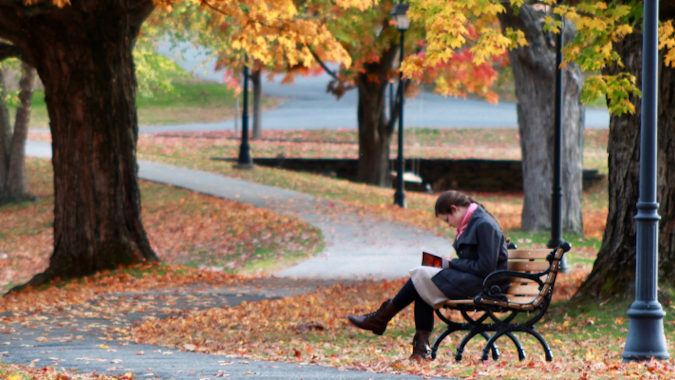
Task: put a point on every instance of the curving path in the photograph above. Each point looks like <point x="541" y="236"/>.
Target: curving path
<point x="356" y="247"/>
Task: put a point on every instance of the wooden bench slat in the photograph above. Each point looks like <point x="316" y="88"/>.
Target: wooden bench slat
<point x="529" y="253"/>
<point x="521" y="300"/>
<point x="460" y="302"/>
<point x="525" y="281"/>
<point x="529" y="266"/>
<point x="531" y="289"/>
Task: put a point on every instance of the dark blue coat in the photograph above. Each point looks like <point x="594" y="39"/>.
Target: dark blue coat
<point x="481" y="249"/>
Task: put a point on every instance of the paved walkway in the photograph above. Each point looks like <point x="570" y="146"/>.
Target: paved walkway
<point x="93" y="336"/>
<point x="356" y="247"/>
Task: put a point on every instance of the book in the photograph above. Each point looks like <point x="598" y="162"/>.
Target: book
<point x="431" y="260"/>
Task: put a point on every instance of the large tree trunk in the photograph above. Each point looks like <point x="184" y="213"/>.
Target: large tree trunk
<point x="534" y="73"/>
<point x="257" y="108"/>
<point x="375" y="128"/>
<point x="82" y="52"/>
<point x="613" y="273"/>
<point x="17" y="186"/>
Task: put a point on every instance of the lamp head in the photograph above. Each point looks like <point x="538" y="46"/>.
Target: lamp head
<point x="399" y="15"/>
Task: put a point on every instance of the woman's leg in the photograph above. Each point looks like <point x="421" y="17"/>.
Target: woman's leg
<point x="424" y="319"/>
<point x="424" y="313"/>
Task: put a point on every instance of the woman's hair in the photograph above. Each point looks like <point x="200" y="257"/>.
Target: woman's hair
<point x="455" y="198"/>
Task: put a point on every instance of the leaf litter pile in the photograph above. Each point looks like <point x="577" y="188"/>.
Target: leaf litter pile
<point x="184" y="228"/>
<point x="313" y="329"/>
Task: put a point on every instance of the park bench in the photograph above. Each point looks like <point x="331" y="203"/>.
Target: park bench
<point x="532" y="274"/>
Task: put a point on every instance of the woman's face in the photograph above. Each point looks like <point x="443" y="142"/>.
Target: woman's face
<point x="454" y="219"/>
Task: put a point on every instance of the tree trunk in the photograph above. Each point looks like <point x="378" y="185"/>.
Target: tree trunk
<point x="534" y="73"/>
<point x="5" y="140"/>
<point x="17" y="185"/>
<point x="83" y="54"/>
<point x="257" y="108"/>
<point x="375" y="128"/>
<point x="613" y="273"/>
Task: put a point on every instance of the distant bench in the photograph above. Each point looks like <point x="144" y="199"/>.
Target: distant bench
<point x="532" y="274"/>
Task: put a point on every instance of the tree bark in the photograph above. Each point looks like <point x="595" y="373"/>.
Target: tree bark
<point x="257" y="107"/>
<point x="17" y="185"/>
<point x="375" y="128"/>
<point x="613" y="273"/>
<point x="5" y="133"/>
<point x="534" y="73"/>
<point x="82" y="53"/>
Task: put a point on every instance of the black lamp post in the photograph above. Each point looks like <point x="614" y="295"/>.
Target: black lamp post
<point x="402" y="24"/>
<point x="245" y="161"/>
<point x="646" y="339"/>
<point x="556" y="195"/>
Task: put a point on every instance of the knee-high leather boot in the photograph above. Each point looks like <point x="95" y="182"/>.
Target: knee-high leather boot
<point x="376" y="321"/>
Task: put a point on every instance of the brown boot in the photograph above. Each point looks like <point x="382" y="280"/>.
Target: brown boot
<point x="377" y="321"/>
<point x="421" y="348"/>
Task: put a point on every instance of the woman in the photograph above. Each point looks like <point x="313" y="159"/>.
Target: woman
<point x="481" y="249"/>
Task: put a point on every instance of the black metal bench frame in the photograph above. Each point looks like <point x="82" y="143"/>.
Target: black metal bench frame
<point x="492" y="301"/>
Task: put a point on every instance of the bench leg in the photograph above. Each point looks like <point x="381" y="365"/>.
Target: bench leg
<point x="491" y="342"/>
<point x="437" y="343"/>
<point x="516" y="342"/>
<point x="465" y="341"/>
<point x="495" y="351"/>
<point x="544" y="345"/>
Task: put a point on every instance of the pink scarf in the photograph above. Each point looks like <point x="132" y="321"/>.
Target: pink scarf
<point x="465" y="221"/>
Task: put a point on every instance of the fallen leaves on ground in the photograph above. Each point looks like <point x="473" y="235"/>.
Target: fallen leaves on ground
<point x="282" y="330"/>
<point x="195" y="153"/>
<point x="22" y="372"/>
<point x="59" y="296"/>
<point x="184" y="228"/>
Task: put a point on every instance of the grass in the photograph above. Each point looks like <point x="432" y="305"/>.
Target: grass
<point x="195" y="153"/>
<point x="192" y="101"/>
<point x="184" y="228"/>
<point x="500" y="144"/>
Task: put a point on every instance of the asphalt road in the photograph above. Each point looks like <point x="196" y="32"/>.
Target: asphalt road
<point x="308" y="106"/>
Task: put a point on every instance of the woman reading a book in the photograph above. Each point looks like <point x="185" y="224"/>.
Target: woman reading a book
<point x="481" y="249"/>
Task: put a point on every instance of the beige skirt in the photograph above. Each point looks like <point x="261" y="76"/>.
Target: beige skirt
<point x="421" y="278"/>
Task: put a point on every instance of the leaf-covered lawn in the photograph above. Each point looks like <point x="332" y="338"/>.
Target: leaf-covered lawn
<point x="496" y="144"/>
<point x="184" y="228"/>
<point x="375" y="201"/>
<point x="313" y="329"/>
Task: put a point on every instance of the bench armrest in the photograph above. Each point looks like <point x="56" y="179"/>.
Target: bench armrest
<point x="491" y="284"/>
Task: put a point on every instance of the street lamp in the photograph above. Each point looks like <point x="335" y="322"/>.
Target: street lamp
<point x="556" y="195"/>
<point x="402" y="24"/>
<point x="244" y="161"/>
<point x="646" y="339"/>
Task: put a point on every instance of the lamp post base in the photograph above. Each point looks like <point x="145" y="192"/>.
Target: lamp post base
<point x="646" y="339"/>
<point x="399" y="199"/>
<point x="243" y="166"/>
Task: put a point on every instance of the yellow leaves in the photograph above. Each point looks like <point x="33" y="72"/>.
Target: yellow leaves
<point x="412" y="66"/>
<point x="667" y="41"/>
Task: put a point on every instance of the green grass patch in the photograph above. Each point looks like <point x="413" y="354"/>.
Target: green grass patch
<point x="191" y="101"/>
